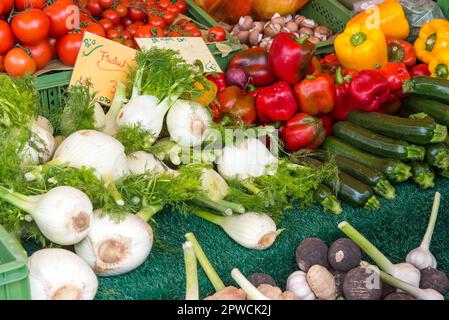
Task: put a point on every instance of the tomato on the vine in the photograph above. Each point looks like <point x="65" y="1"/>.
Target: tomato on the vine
<point x="173" y="8"/>
<point x="41" y="53"/>
<point x="216" y="34"/>
<point x="126" y="21"/>
<point x="58" y="13"/>
<point x="106" y="24"/>
<point x="169" y="17"/>
<point x="18" y="63"/>
<point x="119" y="28"/>
<point x="164" y="3"/>
<point x="94" y="7"/>
<point x="126" y="35"/>
<point x="112" y="15"/>
<point x="94" y="28"/>
<point x="174" y="34"/>
<point x="139" y="23"/>
<point x="2" y="63"/>
<point x="182" y="22"/>
<point x="68" y="47"/>
<point x="106" y="4"/>
<point x="6" y="36"/>
<point x="30" y="26"/>
<point x="148" y="31"/>
<point x="189" y="26"/>
<point x="7" y="6"/>
<point x="156" y="22"/>
<point x="182" y="6"/>
<point x="52" y="42"/>
<point x="112" y="33"/>
<point x="129" y="43"/>
<point x="122" y="10"/>
<point x="136" y="14"/>
<point x="132" y="29"/>
<point x="84" y="17"/>
<point x="21" y="5"/>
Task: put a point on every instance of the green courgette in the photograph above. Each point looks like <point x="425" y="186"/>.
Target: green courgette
<point x="423" y="174"/>
<point x="377" y="144"/>
<point x="327" y="199"/>
<point x="395" y="170"/>
<point x="437" y="155"/>
<point x="420" y="131"/>
<point x="443" y="173"/>
<point x="435" y="109"/>
<point x="369" y="176"/>
<point x="429" y="87"/>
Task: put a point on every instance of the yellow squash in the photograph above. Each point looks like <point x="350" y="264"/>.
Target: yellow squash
<point x="439" y="65"/>
<point x="359" y="48"/>
<point x="389" y="16"/>
<point x="433" y="37"/>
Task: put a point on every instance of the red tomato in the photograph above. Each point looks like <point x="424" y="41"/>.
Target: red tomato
<point x="216" y="34"/>
<point x="174" y="34"/>
<point x="139" y="23"/>
<point x="122" y="10"/>
<point x="7" y="6"/>
<point x="132" y="29"/>
<point x="94" y="28"/>
<point x="125" y="2"/>
<point x="164" y="3"/>
<point x="21" y="5"/>
<point x="52" y="42"/>
<point x="190" y="26"/>
<point x="119" y="28"/>
<point x="194" y="32"/>
<point x="59" y="14"/>
<point x="126" y="21"/>
<point x="18" y="63"/>
<point x="156" y="22"/>
<point x="112" y="33"/>
<point x="182" y="22"/>
<point x="6" y="36"/>
<point x="129" y="43"/>
<point x="84" y="17"/>
<point x="2" y="63"/>
<point x="173" y="8"/>
<point x="94" y="7"/>
<point x="126" y="35"/>
<point x="169" y="17"/>
<point x="68" y="47"/>
<point x="1" y="9"/>
<point x="136" y="14"/>
<point x="112" y="15"/>
<point x="148" y="31"/>
<point x="106" y="24"/>
<point x="106" y="4"/>
<point x="30" y="26"/>
<point x="41" y="53"/>
<point x="117" y="40"/>
<point x="182" y="6"/>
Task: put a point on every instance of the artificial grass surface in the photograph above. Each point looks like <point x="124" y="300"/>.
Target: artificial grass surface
<point x="395" y="229"/>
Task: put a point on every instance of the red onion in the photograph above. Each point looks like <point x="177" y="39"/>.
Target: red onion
<point x="236" y="77"/>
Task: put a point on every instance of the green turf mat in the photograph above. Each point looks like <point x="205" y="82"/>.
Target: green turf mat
<point x="396" y="229"/>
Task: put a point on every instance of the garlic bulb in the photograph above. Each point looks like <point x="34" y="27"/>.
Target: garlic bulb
<point x="141" y="162"/>
<point x="250" y="158"/>
<point x="40" y="147"/>
<point x="63" y="214"/>
<point x="297" y="283"/>
<point x="113" y="248"/>
<point x="213" y="185"/>
<point x="188" y="123"/>
<point x="59" y="274"/>
<point x="407" y="273"/>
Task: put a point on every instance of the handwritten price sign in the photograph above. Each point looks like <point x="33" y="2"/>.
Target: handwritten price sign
<point x="104" y="63"/>
<point x="190" y="48"/>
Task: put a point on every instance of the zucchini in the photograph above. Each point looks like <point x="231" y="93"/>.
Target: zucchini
<point x="437" y="155"/>
<point x="327" y="199"/>
<point x="429" y="87"/>
<point x="443" y="173"/>
<point x="396" y="171"/>
<point x="420" y="131"/>
<point x="423" y="174"/>
<point x="377" y="144"/>
<point x="435" y="109"/>
<point x="369" y="176"/>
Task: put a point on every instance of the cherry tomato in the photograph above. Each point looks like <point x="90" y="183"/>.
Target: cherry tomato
<point x="94" y="7"/>
<point x="117" y="40"/>
<point x="21" y="5"/>
<point x="52" y="42"/>
<point x="194" y="32"/>
<point x="119" y="28"/>
<point x="84" y="17"/>
<point x="106" y="24"/>
<point x="148" y="31"/>
<point x="59" y="13"/>
<point x="7" y="6"/>
<point x="125" y="2"/>
<point x="156" y="22"/>
<point x="68" y="47"/>
<point x="174" y="34"/>
<point x="182" y="6"/>
<point x="139" y="23"/>
<point x="6" y="36"/>
<point x="132" y="29"/>
<point x="164" y="3"/>
<point x="18" y="63"/>
<point x="126" y="35"/>
<point x="129" y="43"/>
<point x="173" y="8"/>
<point x="216" y="34"/>
<point x="182" y="22"/>
<point x="94" y="28"/>
<point x="31" y="26"/>
<point x="41" y="53"/>
<point x="126" y="21"/>
<point x="136" y="14"/>
<point x="2" y="63"/>
<point x="106" y="4"/>
<point x="112" y="33"/>
<point x="112" y="15"/>
<point x="189" y="26"/>
<point x="122" y="10"/>
<point x="169" y="17"/>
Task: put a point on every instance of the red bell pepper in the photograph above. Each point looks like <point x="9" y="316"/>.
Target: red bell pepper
<point x="290" y="56"/>
<point x="330" y="63"/>
<point x="328" y="123"/>
<point x="314" y="67"/>
<point x="237" y="105"/>
<point x="342" y="106"/>
<point x="216" y="113"/>
<point x="303" y="132"/>
<point x="401" y="51"/>
<point x="421" y="69"/>
<point x="219" y="79"/>
<point x="315" y="95"/>
<point x="254" y="62"/>
<point x="396" y="74"/>
<point x="275" y="103"/>
<point x="368" y="90"/>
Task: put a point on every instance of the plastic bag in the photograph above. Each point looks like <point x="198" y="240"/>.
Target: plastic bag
<point x="418" y="13"/>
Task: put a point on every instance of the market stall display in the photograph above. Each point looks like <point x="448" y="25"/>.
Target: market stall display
<point x="335" y="120"/>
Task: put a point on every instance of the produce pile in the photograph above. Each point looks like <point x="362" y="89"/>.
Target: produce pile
<point x="281" y="128"/>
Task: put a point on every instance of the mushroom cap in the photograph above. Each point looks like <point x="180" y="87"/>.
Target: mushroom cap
<point x="259" y="278"/>
<point x="344" y="255"/>
<point x="434" y="279"/>
<point x="311" y="251"/>
<point x="362" y="284"/>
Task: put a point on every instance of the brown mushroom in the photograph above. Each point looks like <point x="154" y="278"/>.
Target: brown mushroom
<point x="246" y="23"/>
<point x="243" y="36"/>
<point x="291" y="26"/>
<point x="254" y="37"/>
<point x="322" y="33"/>
<point x="272" y="30"/>
<point x="259" y="26"/>
<point x="305" y="31"/>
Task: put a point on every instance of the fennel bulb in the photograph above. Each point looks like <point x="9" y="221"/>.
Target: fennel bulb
<point x="141" y="162"/>
<point x="188" y="123"/>
<point x="99" y="117"/>
<point x="44" y="123"/>
<point x="59" y="274"/>
<point x="113" y="248"/>
<point x="97" y="150"/>
<point x="213" y="185"/>
<point x="40" y="146"/>
<point x="63" y="214"/>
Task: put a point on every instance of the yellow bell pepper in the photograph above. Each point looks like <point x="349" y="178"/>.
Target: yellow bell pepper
<point x="433" y="37"/>
<point x="439" y="65"/>
<point x="359" y="48"/>
<point x="207" y="93"/>
<point x="389" y="16"/>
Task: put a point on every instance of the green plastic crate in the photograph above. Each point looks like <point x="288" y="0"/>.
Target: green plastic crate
<point x="14" y="282"/>
<point x="444" y="5"/>
<point x="52" y="88"/>
<point x="329" y="13"/>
